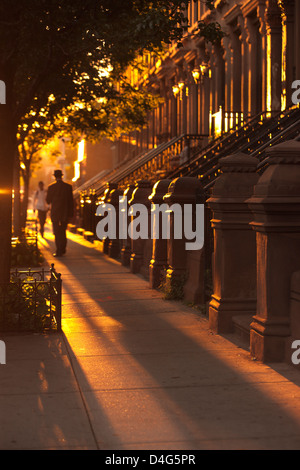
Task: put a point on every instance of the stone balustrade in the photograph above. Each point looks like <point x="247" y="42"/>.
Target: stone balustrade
<point x="159" y="259"/>
<point x="256" y="255"/>
<point x="234" y="258"/>
<point x="276" y="221"/>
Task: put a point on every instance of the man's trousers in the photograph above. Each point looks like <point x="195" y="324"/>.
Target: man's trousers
<point x="59" y="229"/>
<point x="42" y="219"/>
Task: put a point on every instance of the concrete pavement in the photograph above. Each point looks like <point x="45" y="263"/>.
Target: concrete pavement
<point x="133" y="371"/>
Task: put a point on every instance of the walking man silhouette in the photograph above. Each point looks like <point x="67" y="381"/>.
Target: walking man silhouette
<point x="60" y="196"/>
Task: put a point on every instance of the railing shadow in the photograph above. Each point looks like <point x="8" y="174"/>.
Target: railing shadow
<point x="135" y="351"/>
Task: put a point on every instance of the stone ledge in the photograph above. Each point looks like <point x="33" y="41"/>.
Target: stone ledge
<point x="241" y="325"/>
<point x="88" y="235"/>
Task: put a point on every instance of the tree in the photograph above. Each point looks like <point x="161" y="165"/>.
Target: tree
<point x="56" y="53"/>
<point x="29" y="157"/>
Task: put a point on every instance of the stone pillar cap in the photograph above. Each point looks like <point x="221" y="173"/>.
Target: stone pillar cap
<point x="109" y="187"/>
<point x="285" y="152"/>
<point x="185" y="189"/>
<point x="113" y="196"/>
<point x="159" y="190"/>
<point x="236" y="181"/>
<point x="143" y="184"/>
<point x="238" y="163"/>
<point x="141" y="192"/>
<point x="128" y="192"/>
<point x="281" y="179"/>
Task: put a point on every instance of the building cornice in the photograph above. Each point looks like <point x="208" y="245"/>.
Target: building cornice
<point x="251" y="6"/>
<point x="232" y="14"/>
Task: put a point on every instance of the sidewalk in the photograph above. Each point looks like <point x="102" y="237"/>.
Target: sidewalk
<point x="133" y="371"/>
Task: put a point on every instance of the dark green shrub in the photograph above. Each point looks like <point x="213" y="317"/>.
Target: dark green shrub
<point x="173" y="289"/>
<point x="26" y="254"/>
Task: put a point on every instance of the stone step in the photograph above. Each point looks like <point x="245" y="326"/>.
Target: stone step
<point x="241" y="324"/>
<point x="88" y="235"/>
<point x="72" y="228"/>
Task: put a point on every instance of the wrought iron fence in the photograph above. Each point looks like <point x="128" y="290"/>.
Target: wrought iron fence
<point x="31" y="301"/>
<point x="31" y="230"/>
<point x="25" y="250"/>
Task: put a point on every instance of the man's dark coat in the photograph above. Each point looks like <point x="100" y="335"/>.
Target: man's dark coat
<point x="60" y="196"/>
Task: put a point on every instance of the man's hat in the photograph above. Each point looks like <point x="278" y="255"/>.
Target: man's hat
<point x="58" y="173"/>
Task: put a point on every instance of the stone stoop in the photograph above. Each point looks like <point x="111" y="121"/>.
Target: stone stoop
<point x="241" y="325"/>
<point x="72" y="228"/>
<point x="87" y="235"/>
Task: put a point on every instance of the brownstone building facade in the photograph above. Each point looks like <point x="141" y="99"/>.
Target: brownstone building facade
<point x="209" y="89"/>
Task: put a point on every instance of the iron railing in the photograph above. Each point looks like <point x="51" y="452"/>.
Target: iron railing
<point x="152" y="166"/>
<point x="253" y="139"/>
<point x="154" y="162"/>
<point x="224" y="121"/>
<point x="25" y="250"/>
<point x="31" y="301"/>
<point x="283" y="131"/>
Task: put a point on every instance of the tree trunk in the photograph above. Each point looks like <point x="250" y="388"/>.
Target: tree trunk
<point x="16" y="200"/>
<point x="26" y="181"/>
<point x="7" y="153"/>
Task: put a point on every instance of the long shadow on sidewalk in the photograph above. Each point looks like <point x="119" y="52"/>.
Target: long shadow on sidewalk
<point x="40" y="402"/>
<point x="153" y="376"/>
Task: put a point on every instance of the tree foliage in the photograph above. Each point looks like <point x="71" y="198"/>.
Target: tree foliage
<point x="58" y="53"/>
<point x="62" y="48"/>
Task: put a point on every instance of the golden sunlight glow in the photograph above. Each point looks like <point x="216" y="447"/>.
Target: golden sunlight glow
<point x="196" y="74"/>
<point x="125" y="370"/>
<point x="76" y="171"/>
<point x="105" y="72"/>
<point x="6" y="192"/>
<point x="217" y="122"/>
<point x="203" y="68"/>
<point x="81" y="147"/>
<point x="283" y="66"/>
<point x="175" y="90"/>
<point x="269" y="71"/>
<point x="80" y="158"/>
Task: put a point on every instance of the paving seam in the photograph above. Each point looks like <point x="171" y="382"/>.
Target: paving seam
<point x="80" y="392"/>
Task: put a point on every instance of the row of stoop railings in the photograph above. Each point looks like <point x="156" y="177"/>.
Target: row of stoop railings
<point x="256" y="260"/>
<point x="156" y="162"/>
<point x="159" y="260"/>
<point x="251" y="249"/>
<point x="31" y="301"/>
